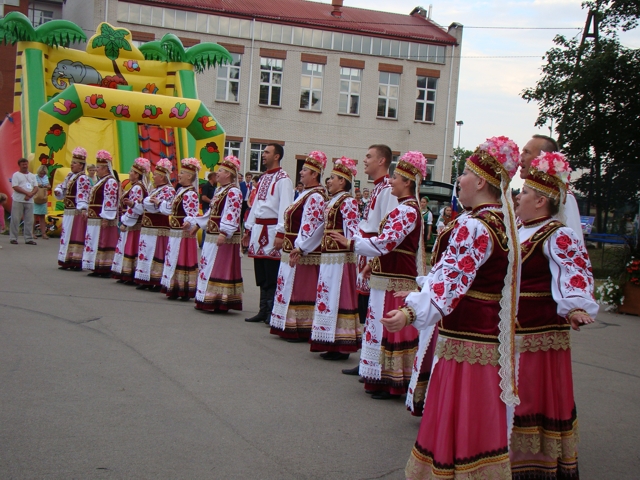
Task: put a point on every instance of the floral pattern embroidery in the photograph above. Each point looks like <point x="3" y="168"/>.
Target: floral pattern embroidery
<point x="350" y="216"/>
<point x="396" y="227"/>
<point x="322" y="299"/>
<point x="230" y="217"/>
<point x="312" y="219"/>
<point x="572" y="259"/>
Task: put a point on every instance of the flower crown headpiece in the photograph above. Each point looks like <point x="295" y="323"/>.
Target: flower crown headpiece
<point x="549" y="174"/>
<point x="103" y="157"/>
<point x="412" y="165"/>
<point x="79" y="154"/>
<point x="316" y="161"/>
<point x="345" y="167"/>
<point x="164" y="166"/>
<point x="495" y="160"/>
<point x="191" y="163"/>
<point x="231" y="164"/>
<point x="141" y="165"/>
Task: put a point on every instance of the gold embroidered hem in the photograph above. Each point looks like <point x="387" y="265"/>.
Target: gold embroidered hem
<point x="338" y="258"/>
<point x="467" y="351"/>
<point x="535" y="294"/>
<point x="136" y="227"/>
<point x="492" y="297"/>
<point x="213" y="238"/>
<point x="72" y="212"/>
<point x="302" y="260"/>
<point x="175" y="233"/>
<point x="98" y="222"/>
<point x="556" y="445"/>
<point x="214" y="288"/>
<point x="158" y="232"/>
<point x="392" y="284"/>
<point x="421" y="467"/>
<point x="544" y="341"/>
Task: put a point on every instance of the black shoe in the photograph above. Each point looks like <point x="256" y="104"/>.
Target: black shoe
<point x="335" y="356"/>
<point x="361" y="380"/>
<point x="351" y="371"/>
<point x="374" y="392"/>
<point x="94" y="274"/>
<point x="296" y="340"/>
<point x="142" y="287"/>
<point x="172" y="297"/>
<point x="155" y="288"/>
<point x="259" y="317"/>
<point x="185" y="298"/>
<point x="384" y="396"/>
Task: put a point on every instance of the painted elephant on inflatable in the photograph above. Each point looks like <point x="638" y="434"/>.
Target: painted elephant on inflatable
<point x="74" y="72"/>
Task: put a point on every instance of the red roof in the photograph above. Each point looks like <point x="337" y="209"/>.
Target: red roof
<point x="305" y="13"/>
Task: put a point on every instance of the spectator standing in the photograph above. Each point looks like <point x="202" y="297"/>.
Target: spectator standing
<point x="92" y="173"/>
<point x="40" y="209"/>
<point x="207" y="192"/>
<point x="25" y="186"/>
<point x="3" y="202"/>
<point x="427" y="216"/>
<point x="298" y="191"/>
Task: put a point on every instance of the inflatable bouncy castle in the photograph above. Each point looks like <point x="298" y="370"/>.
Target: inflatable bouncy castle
<point x="133" y="102"/>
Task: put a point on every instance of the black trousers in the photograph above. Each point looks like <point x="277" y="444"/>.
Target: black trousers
<point x="363" y="306"/>
<point x="266" y="272"/>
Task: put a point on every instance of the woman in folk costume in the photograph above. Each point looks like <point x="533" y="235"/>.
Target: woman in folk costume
<point x="472" y="294"/>
<point x="219" y="287"/>
<point x="181" y="258"/>
<point x="126" y="256"/>
<point x="154" y="234"/>
<point x="74" y="192"/>
<point x="556" y="293"/>
<point x="396" y="252"/>
<point x="102" y="225"/>
<point x="295" y="296"/>
<point x="336" y="327"/>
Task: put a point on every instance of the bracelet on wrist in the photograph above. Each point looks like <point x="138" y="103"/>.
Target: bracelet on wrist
<point x="409" y="313"/>
<point x="574" y="312"/>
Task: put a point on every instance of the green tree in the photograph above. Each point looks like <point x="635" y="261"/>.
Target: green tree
<point x="589" y="88"/>
<point x="460" y="156"/>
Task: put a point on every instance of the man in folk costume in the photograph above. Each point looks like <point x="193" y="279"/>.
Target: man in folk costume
<point x="154" y="235"/>
<point x="219" y="287"/>
<point x="396" y="259"/>
<point x="102" y="225"/>
<point x="472" y="294"/>
<point x="295" y="295"/>
<point x="380" y="202"/>
<point x="336" y="329"/>
<point x="126" y="255"/>
<point x="180" y="272"/>
<point x="556" y="293"/>
<point x="535" y="147"/>
<point x="74" y="192"/>
<point x="264" y="229"/>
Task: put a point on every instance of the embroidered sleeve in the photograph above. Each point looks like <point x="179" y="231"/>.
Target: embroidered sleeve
<point x="469" y="248"/>
<point x="312" y="224"/>
<point x="110" y="200"/>
<point x="166" y="196"/>
<point x="572" y="277"/>
<point x="350" y="217"/>
<point x="61" y="187"/>
<point x="230" y="217"/>
<point x="83" y="189"/>
<point x="285" y="198"/>
<point x="399" y="223"/>
<point x="572" y="215"/>
<point x="148" y="204"/>
<point x="190" y="203"/>
<point x="131" y="214"/>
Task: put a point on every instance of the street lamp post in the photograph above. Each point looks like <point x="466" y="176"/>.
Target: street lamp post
<point x="459" y="123"/>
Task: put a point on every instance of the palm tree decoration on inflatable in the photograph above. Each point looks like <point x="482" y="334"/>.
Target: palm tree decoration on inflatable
<point x="170" y="49"/>
<point x="15" y="27"/>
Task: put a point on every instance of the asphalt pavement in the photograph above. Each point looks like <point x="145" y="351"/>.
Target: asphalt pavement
<point x="99" y="380"/>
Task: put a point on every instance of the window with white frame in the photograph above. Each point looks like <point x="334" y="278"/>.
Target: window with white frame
<point x="255" y="157"/>
<point x="388" y="92"/>
<point x="311" y="86"/>
<point x="38" y="17"/>
<point x="350" y="82"/>
<point x="228" y="84"/>
<point x="271" y="81"/>
<point x="426" y="99"/>
<point x="431" y="169"/>
<point x="232" y="148"/>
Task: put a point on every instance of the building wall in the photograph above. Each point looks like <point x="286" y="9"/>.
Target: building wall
<point x="303" y="131"/>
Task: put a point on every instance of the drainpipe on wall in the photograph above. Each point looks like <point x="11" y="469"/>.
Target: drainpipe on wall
<point x="446" y="126"/>
<point x="106" y="11"/>
<point x="247" y="145"/>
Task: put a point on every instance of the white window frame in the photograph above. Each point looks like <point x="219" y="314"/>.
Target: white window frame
<point x="431" y="168"/>
<point x="274" y="69"/>
<point x="232" y="147"/>
<point x="227" y="80"/>
<point x="388" y="85"/>
<point x="353" y="90"/>
<point x="255" y="165"/>
<point x="422" y="98"/>
<point x="311" y="89"/>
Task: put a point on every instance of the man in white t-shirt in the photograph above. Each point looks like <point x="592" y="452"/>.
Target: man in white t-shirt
<point x="25" y="186"/>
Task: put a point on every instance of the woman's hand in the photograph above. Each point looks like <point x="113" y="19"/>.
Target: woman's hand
<point x="578" y="319"/>
<point x="221" y="239"/>
<point x="294" y="257"/>
<point x="366" y="271"/>
<point x="394" y="321"/>
<point x="339" y="238"/>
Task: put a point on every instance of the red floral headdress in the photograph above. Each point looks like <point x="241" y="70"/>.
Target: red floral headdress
<point x="231" y="164"/>
<point x="412" y="165"/>
<point x="164" y="166"/>
<point x="141" y="165"/>
<point x="103" y="157"/>
<point x="79" y="154"/>
<point x="316" y="161"/>
<point x="345" y="167"/>
<point x="495" y="160"/>
<point x="549" y="174"/>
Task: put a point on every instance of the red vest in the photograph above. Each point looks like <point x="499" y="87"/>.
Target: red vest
<point x="477" y="312"/>
<point x="70" y="194"/>
<point x="334" y="222"/>
<point x="176" y="220"/>
<point x="216" y="208"/>
<point x="96" y="197"/>
<point x="536" y="308"/>
<point x="293" y="220"/>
